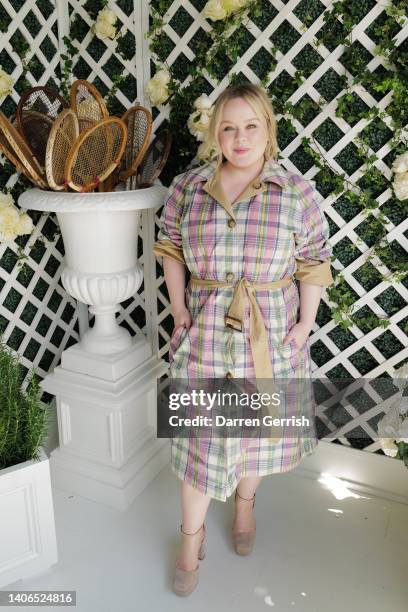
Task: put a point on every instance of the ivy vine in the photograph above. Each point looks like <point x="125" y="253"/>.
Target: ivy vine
<point x="215" y="56"/>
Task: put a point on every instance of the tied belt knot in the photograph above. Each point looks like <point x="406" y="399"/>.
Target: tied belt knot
<point x="234" y="318"/>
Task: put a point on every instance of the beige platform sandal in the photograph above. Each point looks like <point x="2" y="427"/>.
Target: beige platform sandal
<point x="244" y="540"/>
<point x="185" y="581"/>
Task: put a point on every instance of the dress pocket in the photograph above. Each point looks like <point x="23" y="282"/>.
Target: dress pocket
<point x="289" y="353"/>
<point x="176" y="339"/>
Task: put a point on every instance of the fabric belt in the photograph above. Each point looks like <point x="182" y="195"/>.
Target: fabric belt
<point x="257" y="331"/>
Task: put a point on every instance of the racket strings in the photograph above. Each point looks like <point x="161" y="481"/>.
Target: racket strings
<point x="154" y="160"/>
<point x="88" y="104"/>
<point x="36" y="113"/>
<point x="96" y="155"/>
<point x="61" y="141"/>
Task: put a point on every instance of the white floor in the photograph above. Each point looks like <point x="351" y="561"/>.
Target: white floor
<point x="306" y="557"/>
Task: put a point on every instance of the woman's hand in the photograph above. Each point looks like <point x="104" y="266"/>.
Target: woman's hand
<point x="182" y="317"/>
<point x="298" y="332"/>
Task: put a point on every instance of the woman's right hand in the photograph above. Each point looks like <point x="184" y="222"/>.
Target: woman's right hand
<point x="182" y="318"/>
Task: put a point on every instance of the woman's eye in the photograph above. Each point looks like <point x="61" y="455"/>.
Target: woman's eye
<point x="252" y="125"/>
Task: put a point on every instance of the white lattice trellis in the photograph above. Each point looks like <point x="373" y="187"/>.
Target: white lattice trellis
<point x="44" y="315"/>
<point x="329" y="60"/>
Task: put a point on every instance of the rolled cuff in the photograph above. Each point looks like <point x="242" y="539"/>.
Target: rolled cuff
<point x="167" y="248"/>
<point x="315" y="273"/>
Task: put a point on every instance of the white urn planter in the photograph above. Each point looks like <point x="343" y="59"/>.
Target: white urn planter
<point x="106" y="384"/>
<point x="27" y="528"/>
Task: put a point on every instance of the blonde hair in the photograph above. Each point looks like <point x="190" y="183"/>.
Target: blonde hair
<point x="258" y="99"/>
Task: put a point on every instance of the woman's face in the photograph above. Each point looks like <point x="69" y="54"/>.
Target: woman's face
<point x="242" y="135"/>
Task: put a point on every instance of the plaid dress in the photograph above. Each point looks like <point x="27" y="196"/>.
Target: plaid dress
<point x="274" y="230"/>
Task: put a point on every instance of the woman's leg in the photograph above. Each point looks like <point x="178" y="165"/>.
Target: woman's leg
<point x="194" y="506"/>
<point x="244" y="519"/>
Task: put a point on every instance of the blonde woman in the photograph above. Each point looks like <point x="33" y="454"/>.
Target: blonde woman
<point x="235" y="222"/>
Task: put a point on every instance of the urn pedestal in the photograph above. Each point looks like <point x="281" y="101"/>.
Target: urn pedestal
<point x="106" y="384"/>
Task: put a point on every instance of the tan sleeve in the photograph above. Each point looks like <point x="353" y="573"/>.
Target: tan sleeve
<point x="167" y="248"/>
<point x="314" y="272"/>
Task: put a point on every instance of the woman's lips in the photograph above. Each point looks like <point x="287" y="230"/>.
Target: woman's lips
<point x="240" y="151"/>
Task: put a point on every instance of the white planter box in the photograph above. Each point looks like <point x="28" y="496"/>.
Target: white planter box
<point x="28" y="543"/>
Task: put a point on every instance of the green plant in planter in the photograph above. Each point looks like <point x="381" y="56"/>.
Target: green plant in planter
<point x="23" y="417"/>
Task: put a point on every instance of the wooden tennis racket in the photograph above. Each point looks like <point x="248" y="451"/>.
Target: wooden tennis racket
<point x="96" y="154"/>
<point x="88" y="104"/>
<point x="35" y="114"/>
<point x="154" y="160"/>
<point x="138" y="121"/>
<point x="63" y="136"/>
<point x="14" y="147"/>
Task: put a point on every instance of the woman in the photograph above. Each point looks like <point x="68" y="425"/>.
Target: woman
<point x="236" y="222"/>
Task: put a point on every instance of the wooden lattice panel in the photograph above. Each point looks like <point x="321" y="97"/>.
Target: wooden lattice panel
<point x="337" y="353"/>
<point x="37" y="317"/>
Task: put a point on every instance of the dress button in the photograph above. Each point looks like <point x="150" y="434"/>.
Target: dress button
<point x="229" y="375"/>
<point x="257" y="185"/>
<point x="231" y="223"/>
<point x="230" y="276"/>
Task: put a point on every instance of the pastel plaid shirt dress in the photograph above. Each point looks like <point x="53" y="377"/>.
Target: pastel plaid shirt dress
<point x="274" y="230"/>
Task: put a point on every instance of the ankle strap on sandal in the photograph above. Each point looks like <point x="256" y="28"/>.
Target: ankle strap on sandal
<point x="246" y="498"/>
<point x="185" y="533"/>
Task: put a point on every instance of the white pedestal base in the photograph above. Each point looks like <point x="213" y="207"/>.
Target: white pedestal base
<point x="106" y="407"/>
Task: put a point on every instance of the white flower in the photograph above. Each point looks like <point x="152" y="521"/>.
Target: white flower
<point x="389" y="447"/>
<point x="203" y="103"/>
<point x="403" y="407"/>
<point x="402" y="372"/>
<point x="6" y="200"/>
<point x="9" y="219"/>
<point x="6" y="83"/>
<point x="401" y="185"/>
<point x="156" y="89"/>
<point x="390" y="423"/>
<point x="107" y="15"/>
<point x="402" y="433"/>
<point x="205" y="151"/>
<point x="401" y="163"/>
<point x="198" y="124"/>
<point x="214" y="10"/>
<point x="104" y="26"/>
<point x="233" y="5"/>
<point x="24" y="225"/>
<point x="103" y="30"/>
<point x="162" y="76"/>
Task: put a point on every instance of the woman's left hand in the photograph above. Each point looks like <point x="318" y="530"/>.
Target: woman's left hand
<point x="298" y="332"/>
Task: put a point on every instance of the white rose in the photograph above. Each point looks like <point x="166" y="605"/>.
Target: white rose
<point x="203" y="103"/>
<point x="390" y="423"/>
<point x="103" y="30"/>
<point x="107" y="15"/>
<point x="162" y="77"/>
<point x="24" y="225"/>
<point x="205" y="151"/>
<point x="9" y="218"/>
<point x="401" y="185"/>
<point x="6" y="83"/>
<point x="389" y="447"/>
<point x="198" y="124"/>
<point x="403" y="407"/>
<point x="400" y="163"/>
<point x="233" y="5"/>
<point x="402" y="372"/>
<point x="6" y="200"/>
<point x="214" y="10"/>
<point x="156" y="92"/>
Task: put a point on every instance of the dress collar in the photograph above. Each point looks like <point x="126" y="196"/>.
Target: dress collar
<point x="271" y="172"/>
